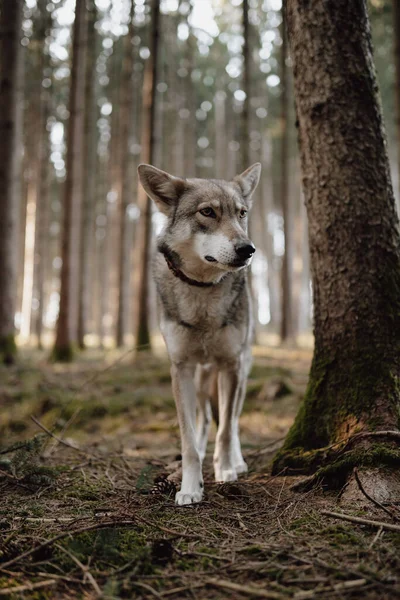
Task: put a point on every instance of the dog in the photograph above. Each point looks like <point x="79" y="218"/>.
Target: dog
<point x="205" y="312"/>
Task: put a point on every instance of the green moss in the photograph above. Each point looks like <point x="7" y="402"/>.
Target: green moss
<point x="341" y="397"/>
<point x="112" y="546"/>
<point x="63" y="353"/>
<point x="8" y="349"/>
<point x="332" y="468"/>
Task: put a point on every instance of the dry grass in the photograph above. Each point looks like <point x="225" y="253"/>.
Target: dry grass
<point x="85" y="524"/>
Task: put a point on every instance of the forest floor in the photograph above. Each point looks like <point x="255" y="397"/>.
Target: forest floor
<point x="94" y="516"/>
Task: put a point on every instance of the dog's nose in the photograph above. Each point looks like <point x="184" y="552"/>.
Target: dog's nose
<point x="245" y="250"/>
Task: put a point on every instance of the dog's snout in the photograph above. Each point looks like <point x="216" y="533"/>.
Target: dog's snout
<point x="244" y="250"/>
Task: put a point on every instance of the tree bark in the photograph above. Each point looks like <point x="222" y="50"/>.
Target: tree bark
<point x="89" y="185"/>
<point x="354" y="246"/>
<point x="66" y="332"/>
<point x="126" y="114"/>
<point x="245" y="133"/>
<point x="287" y="263"/>
<point x="142" y="250"/>
<point x="42" y="152"/>
<point x="396" y="29"/>
<point x="10" y="49"/>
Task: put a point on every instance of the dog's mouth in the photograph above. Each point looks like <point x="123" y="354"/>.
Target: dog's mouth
<point x="235" y="264"/>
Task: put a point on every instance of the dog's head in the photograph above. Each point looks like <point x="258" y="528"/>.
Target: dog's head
<point x="207" y="219"/>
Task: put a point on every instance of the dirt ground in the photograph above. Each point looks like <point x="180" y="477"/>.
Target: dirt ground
<point x="93" y="515"/>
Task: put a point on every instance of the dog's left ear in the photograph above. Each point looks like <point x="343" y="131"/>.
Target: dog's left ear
<point x="248" y="180"/>
<point x="163" y="188"/>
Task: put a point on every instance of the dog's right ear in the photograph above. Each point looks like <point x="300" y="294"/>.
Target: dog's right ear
<point x="163" y="188"/>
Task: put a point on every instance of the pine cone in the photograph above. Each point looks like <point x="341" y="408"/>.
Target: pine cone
<point x="164" y="486"/>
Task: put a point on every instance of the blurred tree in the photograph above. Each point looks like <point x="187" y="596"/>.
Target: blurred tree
<point x="41" y="99"/>
<point x="285" y="200"/>
<point x="396" y="22"/>
<point x="353" y="395"/>
<point x="142" y="247"/>
<point x="89" y="169"/>
<point x="66" y="331"/>
<point x="124" y="178"/>
<point x="10" y="129"/>
<point x="247" y="72"/>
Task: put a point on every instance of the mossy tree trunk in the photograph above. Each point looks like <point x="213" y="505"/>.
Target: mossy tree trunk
<point x="10" y="50"/>
<point x="354" y="383"/>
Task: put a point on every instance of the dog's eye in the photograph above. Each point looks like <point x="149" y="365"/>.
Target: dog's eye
<point x="243" y="213"/>
<point x="208" y="212"/>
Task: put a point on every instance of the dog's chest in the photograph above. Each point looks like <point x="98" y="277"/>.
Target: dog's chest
<point x="205" y="325"/>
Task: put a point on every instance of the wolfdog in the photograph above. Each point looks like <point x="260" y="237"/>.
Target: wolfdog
<point x="205" y="312"/>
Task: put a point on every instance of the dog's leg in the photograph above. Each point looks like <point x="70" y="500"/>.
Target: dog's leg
<point x="238" y="460"/>
<point x="228" y="390"/>
<point x="204" y="380"/>
<point x="185" y="398"/>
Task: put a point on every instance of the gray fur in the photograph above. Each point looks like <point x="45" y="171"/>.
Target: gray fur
<point x="207" y="330"/>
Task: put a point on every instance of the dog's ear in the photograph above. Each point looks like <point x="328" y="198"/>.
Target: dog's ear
<point x="248" y="180"/>
<point x="163" y="188"/>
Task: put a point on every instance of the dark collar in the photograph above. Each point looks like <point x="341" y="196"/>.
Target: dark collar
<point x="174" y="268"/>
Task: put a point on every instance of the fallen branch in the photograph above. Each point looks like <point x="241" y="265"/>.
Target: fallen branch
<point x="59" y="440"/>
<point x="378" y="504"/>
<point x="27" y="587"/>
<point x="245" y="589"/>
<point x="360" y="520"/>
<point x="64" y="534"/>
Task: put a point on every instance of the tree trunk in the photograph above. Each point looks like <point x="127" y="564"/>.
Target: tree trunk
<point x="287" y="263"/>
<point x="353" y="392"/>
<point x="42" y="160"/>
<point x="89" y="185"/>
<point x="142" y="251"/>
<point x="66" y="333"/>
<point x="10" y="48"/>
<point x="124" y="193"/>
<point x="396" y="28"/>
<point x="245" y="133"/>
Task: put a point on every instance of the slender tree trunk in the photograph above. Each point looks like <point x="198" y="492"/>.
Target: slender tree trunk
<point x="287" y="275"/>
<point x="142" y="329"/>
<point x="245" y="133"/>
<point x="354" y="243"/>
<point x="126" y="117"/>
<point x="89" y="184"/>
<point x="41" y="162"/>
<point x="220" y="134"/>
<point x="10" y="48"/>
<point x="396" y="27"/>
<point x="66" y="333"/>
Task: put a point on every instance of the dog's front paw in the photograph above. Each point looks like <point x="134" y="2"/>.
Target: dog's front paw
<point x="224" y="475"/>
<point x="183" y="498"/>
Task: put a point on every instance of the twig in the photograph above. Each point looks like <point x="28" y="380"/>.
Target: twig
<point x="378" y="504"/>
<point x="85" y="570"/>
<point x="189" y="536"/>
<point x="27" y="587"/>
<point x="147" y="587"/>
<point x="245" y="589"/>
<point x="182" y="588"/>
<point x="59" y="440"/>
<point x="337" y="587"/>
<point x="360" y="520"/>
<point x="60" y="536"/>
<point x="376" y="538"/>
